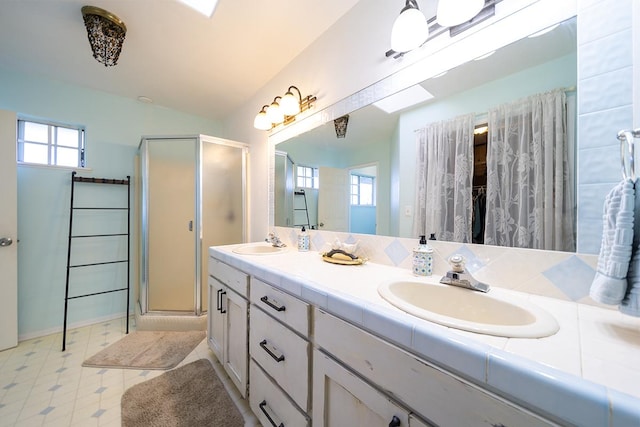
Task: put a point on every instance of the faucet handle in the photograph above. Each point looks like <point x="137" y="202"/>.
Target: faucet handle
<point x="457" y="262"/>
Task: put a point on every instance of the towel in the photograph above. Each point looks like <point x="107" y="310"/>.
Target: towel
<point x="631" y="303"/>
<point x="610" y="282"/>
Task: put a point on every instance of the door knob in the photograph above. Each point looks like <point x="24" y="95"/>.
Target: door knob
<point x="5" y="241"/>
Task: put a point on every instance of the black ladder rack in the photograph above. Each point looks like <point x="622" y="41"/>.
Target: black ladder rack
<point x="77" y="179"/>
<point x="305" y="209"/>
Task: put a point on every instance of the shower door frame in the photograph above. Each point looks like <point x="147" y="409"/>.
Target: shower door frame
<point x="199" y="140"/>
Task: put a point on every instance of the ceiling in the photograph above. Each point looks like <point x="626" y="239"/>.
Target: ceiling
<point x="180" y="59"/>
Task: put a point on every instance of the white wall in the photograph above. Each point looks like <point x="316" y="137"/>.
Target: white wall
<point x="114" y="126"/>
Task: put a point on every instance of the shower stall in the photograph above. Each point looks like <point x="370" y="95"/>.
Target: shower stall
<point x="193" y="193"/>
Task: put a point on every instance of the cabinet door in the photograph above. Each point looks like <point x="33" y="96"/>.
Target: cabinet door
<point x="236" y="338"/>
<point x="215" y="318"/>
<point x="342" y="399"/>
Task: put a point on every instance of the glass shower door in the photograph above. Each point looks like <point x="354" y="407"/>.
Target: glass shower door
<point x="171" y="226"/>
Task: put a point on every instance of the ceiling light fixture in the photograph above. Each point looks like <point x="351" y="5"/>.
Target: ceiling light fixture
<point x="451" y="13"/>
<point x="283" y="109"/>
<point x="410" y="30"/>
<point x="106" y="34"/>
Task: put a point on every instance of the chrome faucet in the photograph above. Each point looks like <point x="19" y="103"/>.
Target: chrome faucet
<point x="457" y="276"/>
<point x="274" y="240"/>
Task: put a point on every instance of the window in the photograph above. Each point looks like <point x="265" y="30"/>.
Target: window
<point x="307" y="177"/>
<point x="47" y="143"/>
<point x="363" y="190"/>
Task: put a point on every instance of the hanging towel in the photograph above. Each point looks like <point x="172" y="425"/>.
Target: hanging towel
<point x="631" y="303"/>
<point x="610" y="282"/>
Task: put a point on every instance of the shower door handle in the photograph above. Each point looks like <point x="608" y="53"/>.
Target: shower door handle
<point x="190" y="225"/>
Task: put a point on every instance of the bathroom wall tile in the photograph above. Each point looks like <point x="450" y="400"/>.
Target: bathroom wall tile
<point x="592" y="197"/>
<point x="601" y="127"/>
<point x="472" y="262"/>
<point x="606" y="54"/>
<point x="589" y="236"/>
<point x="540" y="285"/>
<point x="604" y="18"/>
<point x="345" y="308"/>
<point x="517" y="266"/>
<point x="572" y="276"/>
<point x="467" y="357"/>
<point x="605" y="91"/>
<point x="602" y="163"/>
<point x="535" y="385"/>
<point x="624" y="410"/>
<point x="396" y="252"/>
<point x="389" y="323"/>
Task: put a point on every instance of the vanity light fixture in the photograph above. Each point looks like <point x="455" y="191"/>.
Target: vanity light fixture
<point x="106" y="34"/>
<point x="454" y="12"/>
<point x="283" y="109"/>
<point x="410" y="30"/>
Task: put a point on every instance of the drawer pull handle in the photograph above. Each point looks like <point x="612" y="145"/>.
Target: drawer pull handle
<point x="395" y="422"/>
<point x="263" y="408"/>
<point x="274" y="305"/>
<point x="220" y="293"/>
<point x="268" y="348"/>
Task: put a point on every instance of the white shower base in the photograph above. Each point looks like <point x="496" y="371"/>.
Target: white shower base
<point x="169" y="322"/>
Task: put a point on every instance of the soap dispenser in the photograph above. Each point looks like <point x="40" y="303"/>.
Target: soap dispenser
<point x="303" y="240"/>
<point x="423" y="258"/>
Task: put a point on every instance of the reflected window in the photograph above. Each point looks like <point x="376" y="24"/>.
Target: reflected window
<point x="363" y="190"/>
<point x="307" y="177"/>
<point x="47" y="143"/>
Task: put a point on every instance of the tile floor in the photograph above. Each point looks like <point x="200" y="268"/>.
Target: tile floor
<point x="40" y="385"/>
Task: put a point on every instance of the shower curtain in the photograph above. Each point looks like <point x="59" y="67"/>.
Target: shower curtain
<point x="444" y="167"/>
<point x="530" y="193"/>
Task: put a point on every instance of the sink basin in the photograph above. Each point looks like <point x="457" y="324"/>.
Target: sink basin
<point x="258" y="249"/>
<point x="495" y="313"/>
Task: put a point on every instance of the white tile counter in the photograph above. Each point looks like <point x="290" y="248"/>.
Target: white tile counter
<point x="587" y="374"/>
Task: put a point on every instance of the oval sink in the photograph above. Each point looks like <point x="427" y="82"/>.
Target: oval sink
<point x="258" y="249"/>
<point x="494" y="313"/>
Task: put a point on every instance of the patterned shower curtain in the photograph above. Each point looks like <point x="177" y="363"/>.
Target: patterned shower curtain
<point x="530" y="192"/>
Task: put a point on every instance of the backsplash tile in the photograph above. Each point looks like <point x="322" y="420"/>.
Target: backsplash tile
<point x="572" y="276"/>
<point x="559" y="275"/>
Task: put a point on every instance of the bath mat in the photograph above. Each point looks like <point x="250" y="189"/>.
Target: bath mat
<point x="147" y="350"/>
<point x="191" y="395"/>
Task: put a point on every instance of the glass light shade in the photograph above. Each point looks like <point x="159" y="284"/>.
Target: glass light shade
<point x="289" y="104"/>
<point x="409" y="31"/>
<point x="274" y="113"/>
<point x="455" y="12"/>
<point x="261" y="121"/>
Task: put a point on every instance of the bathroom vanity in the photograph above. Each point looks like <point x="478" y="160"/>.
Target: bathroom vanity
<point x="313" y="343"/>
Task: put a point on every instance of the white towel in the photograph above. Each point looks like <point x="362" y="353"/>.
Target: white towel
<point x="631" y="303"/>
<point x="610" y="282"/>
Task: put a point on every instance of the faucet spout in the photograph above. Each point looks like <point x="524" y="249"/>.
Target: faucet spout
<point x="274" y="240"/>
<point x="457" y="276"/>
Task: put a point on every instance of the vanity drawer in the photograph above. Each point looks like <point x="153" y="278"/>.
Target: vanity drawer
<point x="283" y="354"/>
<point x="284" y="307"/>
<point x="270" y="404"/>
<point x="232" y="277"/>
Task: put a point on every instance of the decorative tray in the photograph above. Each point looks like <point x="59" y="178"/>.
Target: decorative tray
<point x="338" y="256"/>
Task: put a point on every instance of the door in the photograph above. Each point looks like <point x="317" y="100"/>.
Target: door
<point x="342" y="399"/>
<point x="236" y="348"/>
<point x="333" y="199"/>
<point x="215" y="318"/>
<point x="8" y="232"/>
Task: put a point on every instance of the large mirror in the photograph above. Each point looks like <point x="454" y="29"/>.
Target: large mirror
<point x="371" y="170"/>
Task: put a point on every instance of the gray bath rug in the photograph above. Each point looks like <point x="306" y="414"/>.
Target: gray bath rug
<point x="191" y="395"/>
<point x="147" y="350"/>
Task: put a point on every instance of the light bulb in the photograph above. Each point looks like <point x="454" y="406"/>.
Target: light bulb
<point x="274" y="113"/>
<point x="451" y="13"/>
<point x="261" y="121"/>
<point x="409" y="30"/>
<point x="289" y="104"/>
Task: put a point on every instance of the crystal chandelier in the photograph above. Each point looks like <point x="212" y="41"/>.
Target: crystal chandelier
<point x="106" y="34"/>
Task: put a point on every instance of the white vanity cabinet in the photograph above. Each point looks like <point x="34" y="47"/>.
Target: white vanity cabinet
<point x="343" y="399"/>
<point x="227" y="329"/>
<point x="280" y="356"/>
<point x="429" y="392"/>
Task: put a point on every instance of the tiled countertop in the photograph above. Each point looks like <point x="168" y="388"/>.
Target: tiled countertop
<point x="586" y="374"/>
